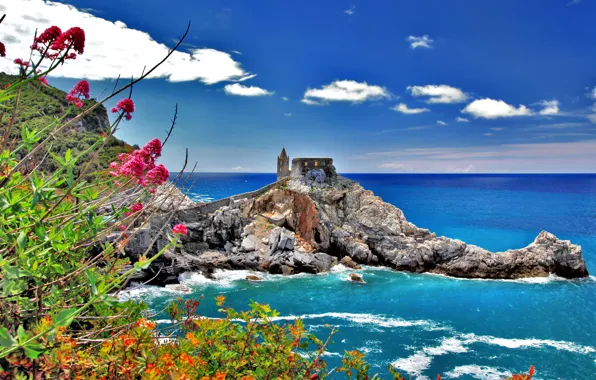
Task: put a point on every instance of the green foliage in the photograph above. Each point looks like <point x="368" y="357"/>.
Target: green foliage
<point x="40" y="106"/>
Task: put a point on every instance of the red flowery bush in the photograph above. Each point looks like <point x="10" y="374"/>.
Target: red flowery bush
<point x="2" y="50"/>
<point x="140" y="165"/>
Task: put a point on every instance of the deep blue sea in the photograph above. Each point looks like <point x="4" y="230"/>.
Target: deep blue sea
<point x="426" y="324"/>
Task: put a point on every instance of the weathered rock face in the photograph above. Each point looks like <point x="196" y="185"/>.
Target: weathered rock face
<point x="296" y="228"/>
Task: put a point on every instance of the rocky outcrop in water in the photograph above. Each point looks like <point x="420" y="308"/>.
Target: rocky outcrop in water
<point x="294" y="227"/>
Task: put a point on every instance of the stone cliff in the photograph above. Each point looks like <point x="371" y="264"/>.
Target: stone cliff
<point x="297" y="227"/>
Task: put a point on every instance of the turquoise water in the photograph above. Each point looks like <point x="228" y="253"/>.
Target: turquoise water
<point x="427" y="324"/>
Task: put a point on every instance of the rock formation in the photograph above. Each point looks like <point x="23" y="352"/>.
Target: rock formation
<point x="294" y="227"/>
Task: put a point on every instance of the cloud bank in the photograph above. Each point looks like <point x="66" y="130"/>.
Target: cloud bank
<point x="112" y="49"/>
<point x="240" y="90"/>
<point x="403" y="108"/>
<point x="439" y="93"/>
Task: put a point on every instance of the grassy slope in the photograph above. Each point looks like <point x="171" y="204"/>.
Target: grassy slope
<point x="40" y="105"/>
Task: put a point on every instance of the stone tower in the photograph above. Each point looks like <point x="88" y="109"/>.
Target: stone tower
<point x="283" y="165"/>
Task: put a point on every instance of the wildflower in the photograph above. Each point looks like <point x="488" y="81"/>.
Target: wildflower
<point x="220" y="376"/>
<point x="531" y="371"/>
<point x="192" y="339"/>
<point x="48" y="35"/>
<point x="134" y="208"/>
<point x="157" y="176"/>
<point x="153" y="149"/>
<point x="186" y="358"/>
<point x="81" y="89"/>
<point x="125" y="105"/>
<point x="73" y="38"/>
<point x="20" y="62"/>
<point x="134" y="167"/>
<point x="179" y="229"/>
<point x="2" y="50"/>
<point x="43" y="80"/>
<point x="123" y="227"/>
<point x="104" y="135"/>
<point x="142" y="322"/>
<point x="151" y="190"/>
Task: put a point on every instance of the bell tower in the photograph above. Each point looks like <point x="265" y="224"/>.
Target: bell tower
<point x="283" y="165"/>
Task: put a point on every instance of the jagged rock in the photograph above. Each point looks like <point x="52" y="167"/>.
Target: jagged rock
<point x="277" y="219"/>
<point x="356" y="278"/>
<point x="337" y="220"/>
<point x="348" y="262"/>
<point x="249" y="243"/>
<point x="251" y="277"/>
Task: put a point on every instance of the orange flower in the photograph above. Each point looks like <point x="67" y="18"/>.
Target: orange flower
<point x="193" y="340"/>
<point x="531" y="370"/>
<point x="219" y="300"/>
<point x="220" y="375"/>
<point x="186" y="358"/>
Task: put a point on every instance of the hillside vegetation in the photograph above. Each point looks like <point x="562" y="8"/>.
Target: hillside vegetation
<point x="41" y="105"/>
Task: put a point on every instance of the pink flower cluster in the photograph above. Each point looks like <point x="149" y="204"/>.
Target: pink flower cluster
<point x="52" y="42"/>
<point x="81" y="89"/>
<point x="127" y="106"/>
<point x="20" y="62"/>
<point x="180" y="229"/>
<point x="134" y="208"/>
<point x="140" y="165"/>
<point x="2" y="50"/>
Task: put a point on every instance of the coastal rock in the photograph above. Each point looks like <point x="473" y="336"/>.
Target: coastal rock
<point x="356" y="278"/>
<point x="348" y="262"/>
<point x="336" y="220"/>
<point x="252" y="277"/>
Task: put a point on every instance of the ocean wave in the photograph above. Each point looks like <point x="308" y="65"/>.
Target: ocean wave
<point x="364" y="319"/>
<point x="527" y="343"/>
<point x="416" y="363"/>
<point x="478" y="372"/>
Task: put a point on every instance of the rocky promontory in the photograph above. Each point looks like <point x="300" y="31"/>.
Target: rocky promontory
<point x="296" y="226"/>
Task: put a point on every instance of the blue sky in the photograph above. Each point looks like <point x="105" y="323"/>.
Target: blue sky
<point x="383" y="86"/>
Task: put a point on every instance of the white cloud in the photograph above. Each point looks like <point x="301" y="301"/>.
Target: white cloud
<point x="240" y="90"/>
<point x="488" y="134"/>
<point x="496" y="129"/>
<point x="344" y="91"/>
<point x="285" y="98"/>
<point x="441" y="122"/>
<point x="439" y="93"/>
<point x="592" y="118"/>
<point x="237" y="168"/>
<point x="592" y="94"/>
<point x="493" y="109"/>
<point x="289" y="114"/>
<point x="403" y="108"/>
<point x="350" y="11"/>
<point x="112" y="49"/>
<point x="422" y="41"/>
<point x="551" y="107"/>
<point x="462" y="120"/>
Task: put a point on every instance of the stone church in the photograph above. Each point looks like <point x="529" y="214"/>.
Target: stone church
<point x="300" y="166"/>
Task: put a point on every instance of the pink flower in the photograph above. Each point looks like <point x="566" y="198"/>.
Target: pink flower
<point x="43" y="80"/>
<point x="20" y="62"/>
<point x="151" y="190"/>
<point x="180" y="229"/>
<point x="2" y="50"/>
<point x="123" y="227"/>
<point x="127" y="106"/>
<point x="135" y="167"/>
<point x="48" y="35"/>
<point x="153" y="148"/>
<point x="136" y="207"/>
<point x="80" y="89"/>
<point x="157" y="176"/>
<point x="73" y="38"/>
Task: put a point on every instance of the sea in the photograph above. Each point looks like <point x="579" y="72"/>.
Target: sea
<point x="425" y="325"/>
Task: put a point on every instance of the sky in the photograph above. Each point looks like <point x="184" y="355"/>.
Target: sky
<point x="425" y="86"/>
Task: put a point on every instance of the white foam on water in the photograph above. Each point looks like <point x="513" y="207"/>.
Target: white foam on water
<point x="363" y="319"/>
<point x="220" y="277"/>
<point x="147" y="291"/>
<point x="515" y="343"/>
<point x="478" y="372"/>
<point x="414" y="365"/>
<point x="336" y="354"/>
<point x="551" y="278"/>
